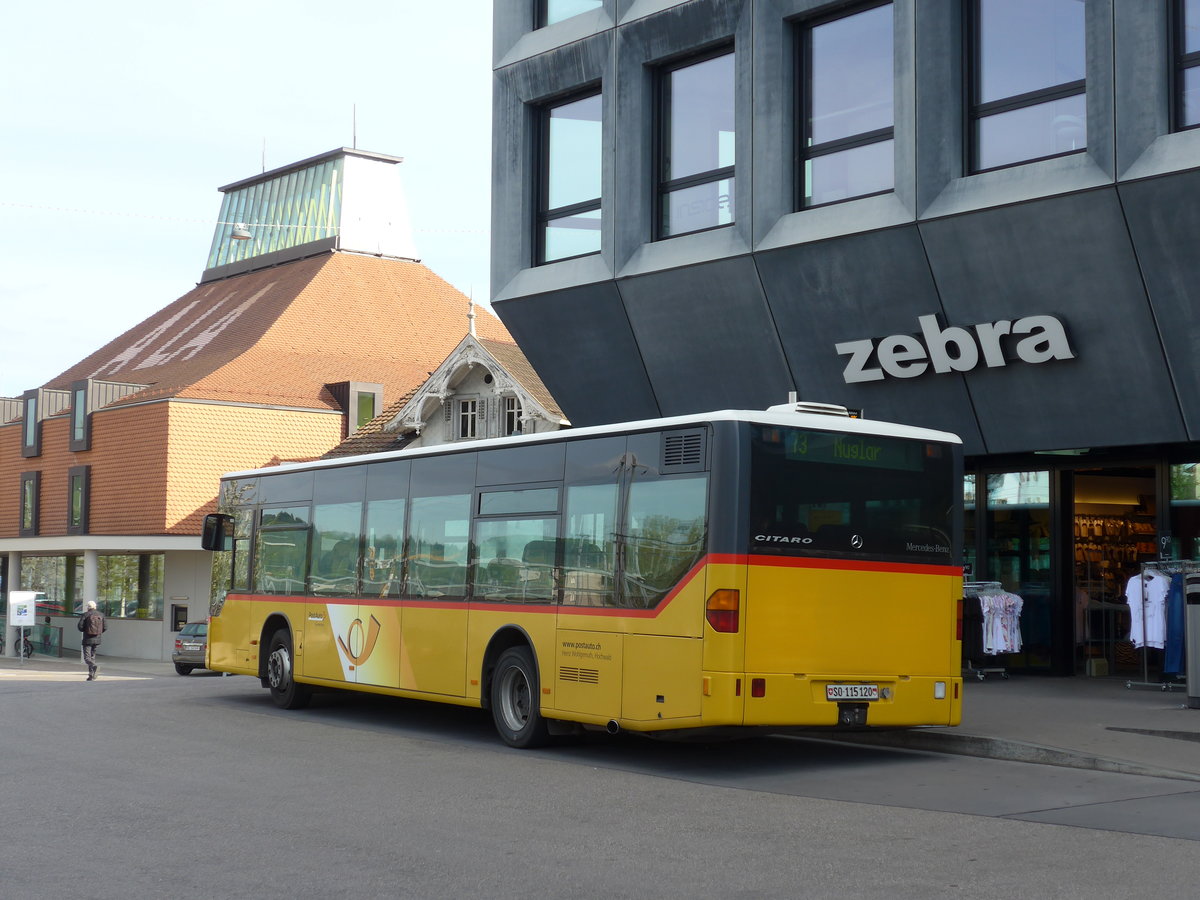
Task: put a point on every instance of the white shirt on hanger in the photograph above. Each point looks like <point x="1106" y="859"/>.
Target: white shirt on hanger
<point x="1147" y="597"/>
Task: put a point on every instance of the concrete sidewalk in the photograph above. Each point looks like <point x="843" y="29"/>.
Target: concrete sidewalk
<point x="1088" y="723"/>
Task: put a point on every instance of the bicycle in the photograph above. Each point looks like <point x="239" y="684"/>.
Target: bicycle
<point x="25" y="646"/>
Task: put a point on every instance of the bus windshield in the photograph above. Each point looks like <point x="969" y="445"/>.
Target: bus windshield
<point x="817" y="493"/>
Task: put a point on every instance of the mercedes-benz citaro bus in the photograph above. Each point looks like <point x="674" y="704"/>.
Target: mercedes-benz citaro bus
<point x="791" y="567"/>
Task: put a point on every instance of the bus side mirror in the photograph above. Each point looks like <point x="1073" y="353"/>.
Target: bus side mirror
<point x="218" y="532"/>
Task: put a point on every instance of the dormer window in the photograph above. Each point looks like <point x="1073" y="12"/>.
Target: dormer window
<point x="360" y="402"/>
<point x="365" y="405"/>
<point x="31" y="427"/>
<point x="81" y="416"/>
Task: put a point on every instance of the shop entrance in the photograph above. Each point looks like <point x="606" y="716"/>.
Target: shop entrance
<point x="1114" y="527"/>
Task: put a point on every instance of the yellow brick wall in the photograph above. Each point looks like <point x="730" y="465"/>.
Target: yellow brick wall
<point x="209" y="440"/>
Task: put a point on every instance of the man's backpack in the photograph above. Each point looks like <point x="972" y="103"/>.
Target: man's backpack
<point x="94" y="626"/>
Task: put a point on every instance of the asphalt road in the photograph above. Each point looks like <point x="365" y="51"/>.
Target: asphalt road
<point x="199" y="787"/>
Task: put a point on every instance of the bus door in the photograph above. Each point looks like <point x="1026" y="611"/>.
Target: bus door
<point x="589" y="649"/>
<point x="433" y="652"/>
<point x="334" y="635"/>
<point x="664" y="535"/>
<point x="374" y="648"/>
<point x="283" y="549"/>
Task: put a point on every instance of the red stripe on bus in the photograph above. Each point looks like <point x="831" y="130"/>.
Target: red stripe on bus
<point x="712" y="559"/>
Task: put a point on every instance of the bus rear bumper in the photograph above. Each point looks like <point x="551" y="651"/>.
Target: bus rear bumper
<point x="854" y="700"/>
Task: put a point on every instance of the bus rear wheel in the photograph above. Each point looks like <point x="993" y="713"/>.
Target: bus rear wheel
<point x="516" y="698"/>
<point x="286" y="693"/>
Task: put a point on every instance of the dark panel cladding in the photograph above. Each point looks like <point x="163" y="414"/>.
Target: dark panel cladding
<point x="707" y="338"/>
<point x="854" y="288"/>
<point x="1069" y="257"/>
<point x="579" y="343"/>
<point x="1164" y="221"/>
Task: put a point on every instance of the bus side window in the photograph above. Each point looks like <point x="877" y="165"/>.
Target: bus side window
<point x="243" y="521"/>
<point x="514" y="559"/>
<point x="589" y="559"/>
<point x="439" y="526"/>
<point x="335" y="547"/>
<point x="382" y="573"/>
<point x="281" y="550"/>
<point x="667" y="535"/>
<point x="437" y="561"/>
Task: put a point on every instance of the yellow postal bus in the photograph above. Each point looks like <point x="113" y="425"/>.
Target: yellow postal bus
<point x="776" y="568"/>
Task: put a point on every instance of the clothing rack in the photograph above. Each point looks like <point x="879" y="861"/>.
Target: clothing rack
<point x="1166" y="567"/>
<point x="972" y="591"/>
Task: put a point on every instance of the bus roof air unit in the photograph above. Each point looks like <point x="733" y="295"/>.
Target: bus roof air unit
<point x="795" y="405"/>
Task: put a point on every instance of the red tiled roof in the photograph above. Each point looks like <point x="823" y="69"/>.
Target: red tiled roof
<point x="253" y="338"/>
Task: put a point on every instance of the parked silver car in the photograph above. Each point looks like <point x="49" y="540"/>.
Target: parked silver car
<point x="190" y="645"/>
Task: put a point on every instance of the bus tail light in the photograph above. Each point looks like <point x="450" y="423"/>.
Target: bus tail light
<point x="958" y="622"/>
<point x="721" y="610"/>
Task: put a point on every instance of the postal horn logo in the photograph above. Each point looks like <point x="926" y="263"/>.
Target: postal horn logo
<point x="361" y="639"/>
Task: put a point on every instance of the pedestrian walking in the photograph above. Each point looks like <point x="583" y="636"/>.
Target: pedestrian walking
<point x="92" y="624"/>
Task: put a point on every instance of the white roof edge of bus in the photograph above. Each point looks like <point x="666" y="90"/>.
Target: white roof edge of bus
<point x="817" y="421"/>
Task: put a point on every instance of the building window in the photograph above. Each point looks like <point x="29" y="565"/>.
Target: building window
<point x="1028" y="89"/>
<point x="512" y="416"/>
<point x="31" y="430"/>
<point x="551" y="11"/>
<point x="696" y="145"/>
<point x="31" y="483"/>
<point x="130" y="586"/>
<point x="81" y="417"/>
<point x="467" y="419"/>
<point x="78" y="490"/>
<point x="569" y="203"/>
<point x="847" y="113"/>
<point x="1187" y="66"/>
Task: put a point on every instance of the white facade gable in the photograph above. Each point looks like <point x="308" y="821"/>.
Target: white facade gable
<point x="470" y="396"/>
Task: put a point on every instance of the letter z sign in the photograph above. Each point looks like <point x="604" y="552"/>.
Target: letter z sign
<point x="1034" y="339"/>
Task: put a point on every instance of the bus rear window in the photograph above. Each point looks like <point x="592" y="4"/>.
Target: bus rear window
<point x="816" y="493"/>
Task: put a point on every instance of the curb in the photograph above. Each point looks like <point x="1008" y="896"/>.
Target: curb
<point x="997" y="748"/>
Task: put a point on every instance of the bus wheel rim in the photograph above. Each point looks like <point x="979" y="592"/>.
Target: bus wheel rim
<point x="279" y="668"/>
<point x="515" y="699"/>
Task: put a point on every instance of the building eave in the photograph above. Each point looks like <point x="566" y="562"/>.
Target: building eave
<point x="102" y="543"/>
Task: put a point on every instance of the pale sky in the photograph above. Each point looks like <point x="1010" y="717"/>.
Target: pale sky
<point x="119" y="120"/>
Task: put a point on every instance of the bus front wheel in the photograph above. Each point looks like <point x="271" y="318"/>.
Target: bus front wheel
<point x="515" y="700"/>
<point x="286" y="693"/>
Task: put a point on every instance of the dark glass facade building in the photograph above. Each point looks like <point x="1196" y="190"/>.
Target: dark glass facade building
<point x="971" y="215"/>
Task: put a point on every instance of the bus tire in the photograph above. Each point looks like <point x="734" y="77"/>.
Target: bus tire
<point x="281" y="669"/>
<point x="181" y="669"/>
<point x="515" y="700"/>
